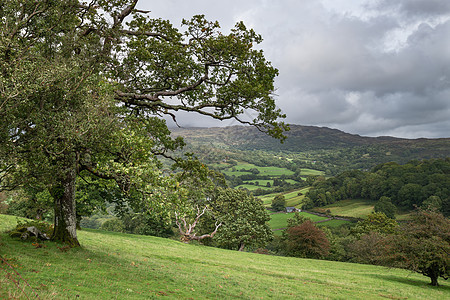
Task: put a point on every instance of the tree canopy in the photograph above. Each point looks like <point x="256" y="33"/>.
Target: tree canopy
<point x="244" y="219"/>
<point x="406" y="186"/>
<point x="423" y="245"/>
<point x="84" y="87"/>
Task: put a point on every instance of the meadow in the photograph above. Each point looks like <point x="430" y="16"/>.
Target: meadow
<point x="292" y="198"/>
<point x="122" y="266"/>
<point x="311" y="172"/>
<point x="279" y="220"/>
<point x="349" y="208"/>
<point x="263" y="171"/>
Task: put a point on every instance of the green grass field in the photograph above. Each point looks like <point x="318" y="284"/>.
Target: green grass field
<point x="311" y="172"/>
<point x="267" y="199"/>
<point x="292" y="198"/>
<point x="235" y="173"/>
<point x="349" y="208"/>
<point x="269" y="171"/>
<point x="333" y="223"/>
<point x="262" y="182"/>
<point x="251" y="187"/>
<point x="122" y="266"/>
<point x="279" y="220"/>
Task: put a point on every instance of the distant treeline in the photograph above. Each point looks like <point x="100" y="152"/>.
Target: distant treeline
<point x="413" y="184"/>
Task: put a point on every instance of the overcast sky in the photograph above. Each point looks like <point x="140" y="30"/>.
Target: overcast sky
<point x="368" y="67"/>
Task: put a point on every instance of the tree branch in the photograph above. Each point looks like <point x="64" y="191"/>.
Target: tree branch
<point x="187" y="233"/>
<point x="94" y="172"/>
<point x="124" y="13"/>
<point x="211" y="235"/>
<point x="146" y="33"/>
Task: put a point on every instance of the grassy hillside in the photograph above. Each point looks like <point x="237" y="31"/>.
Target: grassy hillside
<point x="121" y="266"/>
<point x="349" y="208"/>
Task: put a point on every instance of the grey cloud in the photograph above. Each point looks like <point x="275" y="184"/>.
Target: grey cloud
<point x="416" y="8"/>
<point x="371" y="67"/>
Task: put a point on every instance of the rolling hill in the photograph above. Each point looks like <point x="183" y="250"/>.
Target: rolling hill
<point x="303" y="138"/>
<point x="313" y="147"/>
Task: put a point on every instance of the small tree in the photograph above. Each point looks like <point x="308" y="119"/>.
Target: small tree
<point x="423" y="246"/>
<point x="244" y="220"/>
<point x="376" y="222"/>
<point x="384" y="205"/>
<point x="278" y="203"/>
<point x="306" y="240"/>
<point x="370" y="248"/>
<point x="296" y="220"/>
<point x="432" y="203"/>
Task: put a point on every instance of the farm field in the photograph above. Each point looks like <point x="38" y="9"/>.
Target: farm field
<point x="269" y="171"/>
<point x="279" y="220"/>
<point x="262" y="184"/>
<point x="350" y="208"/>
<point x="333" y="223"/>
<point x="267" y="199"/>
<point x="123" y="266"/>
<point x="292" y="198"/>
<point x="251" y="187"/>
<point x="311" y="172"/>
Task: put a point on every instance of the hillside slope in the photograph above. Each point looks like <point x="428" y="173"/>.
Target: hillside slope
<point x="302" y="138"/>
<point x="121" y="266"/>
<point x="319" y="148"/>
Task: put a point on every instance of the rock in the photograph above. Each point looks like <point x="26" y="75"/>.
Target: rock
<point x="37" y="233"/>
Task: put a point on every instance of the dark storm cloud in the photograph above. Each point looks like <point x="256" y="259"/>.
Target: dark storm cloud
<point x="412" y="8"/>
<point x="367" y="67"/>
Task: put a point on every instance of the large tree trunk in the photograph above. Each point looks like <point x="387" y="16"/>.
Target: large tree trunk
<point x="434" y="275"/>
<point x="65" y="214"/>
<point x="434" y="280"/>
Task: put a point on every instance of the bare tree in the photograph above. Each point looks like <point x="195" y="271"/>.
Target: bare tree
<point x="187" y="229"/>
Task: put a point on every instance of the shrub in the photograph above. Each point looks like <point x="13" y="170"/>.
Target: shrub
<point x="371" y="248"/>
<point x="90" y="222"/>
<point x="147" y="224"/>
<point x="21" y="229"/>
<point x="306" y="240"/>
<point x="384" y="205"/>
<point x="278" y="203"/>
<point x="376" y="222"/>
<point x="115" y="225"/>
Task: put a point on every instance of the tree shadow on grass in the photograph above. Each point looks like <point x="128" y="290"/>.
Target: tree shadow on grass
<point x="413" y="282"/>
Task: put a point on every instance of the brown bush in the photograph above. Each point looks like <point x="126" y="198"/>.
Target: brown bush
<point x="306" y="240"/>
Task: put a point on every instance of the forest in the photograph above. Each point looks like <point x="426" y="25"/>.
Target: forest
<point x="417" y="183"/>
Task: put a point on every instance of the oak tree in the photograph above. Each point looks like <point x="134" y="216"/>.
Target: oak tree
<point x="84" y="87"/>
<point x="423" y="245"/>
<point x="244" y="220"/>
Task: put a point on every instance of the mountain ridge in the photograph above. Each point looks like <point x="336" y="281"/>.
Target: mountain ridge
<point x="301" y="137"/>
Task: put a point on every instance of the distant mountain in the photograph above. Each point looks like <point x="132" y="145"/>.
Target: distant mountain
<point x="308" y="138"/>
